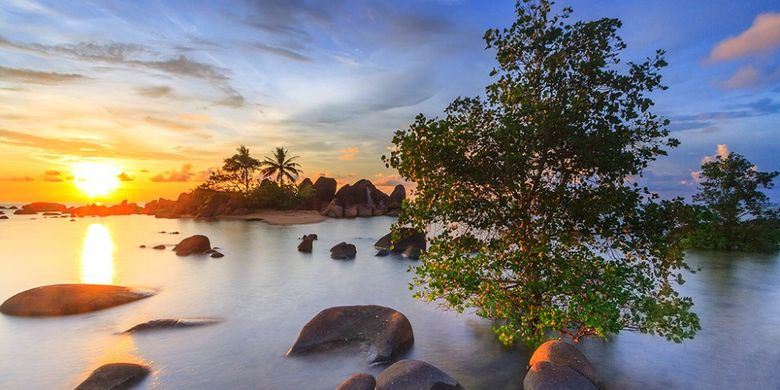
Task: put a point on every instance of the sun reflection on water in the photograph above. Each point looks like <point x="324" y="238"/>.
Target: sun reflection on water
<point x="97" y="256"/>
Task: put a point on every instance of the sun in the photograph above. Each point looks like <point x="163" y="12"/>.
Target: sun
<point x="95" y="179"/>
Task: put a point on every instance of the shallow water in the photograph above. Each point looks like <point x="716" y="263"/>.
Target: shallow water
<point x="265" y="291"/>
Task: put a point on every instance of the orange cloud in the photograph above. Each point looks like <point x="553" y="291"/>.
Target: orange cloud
<point x="17" y="178"/>
<point x="762" y="37"/>
<point x="55" y="176"/>
<point x="349" y="153"/>
<point x="746" y="77"/>
<point x="182" y="175"/>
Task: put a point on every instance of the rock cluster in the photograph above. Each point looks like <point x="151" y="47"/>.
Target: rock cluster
<point x="557" y="365"/>
<point x="199" y="203"/>
<point x="363" y="199"/>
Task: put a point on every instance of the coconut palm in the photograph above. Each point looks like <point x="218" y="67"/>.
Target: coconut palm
<point x="242" y="167"/>
<point x="284" y="168"/>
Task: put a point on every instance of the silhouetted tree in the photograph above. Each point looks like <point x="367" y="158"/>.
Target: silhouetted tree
<point x="237" y="173"/>
<point x="281" y="166"/>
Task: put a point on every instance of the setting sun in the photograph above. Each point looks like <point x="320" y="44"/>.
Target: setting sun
<point x="95" y="179"/>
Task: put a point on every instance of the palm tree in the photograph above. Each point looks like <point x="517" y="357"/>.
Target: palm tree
<point x="284" y="168"/>
<point x="243" y="166"/>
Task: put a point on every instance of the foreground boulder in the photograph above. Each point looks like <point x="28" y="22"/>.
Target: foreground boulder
<point x="193" y="245"/>
<point x="67" y="299"/>
<point x="343" y="251"/>
<point x="306" y="244"/>
<point x="415" y="375"/>
<point x="115" y="376"/>
<point x="559" y="365"/>
<point x="172" y="323"/>
<point x="386" y="331"/>
<point x="358" y="382"/>
<point x="408" y="237"/>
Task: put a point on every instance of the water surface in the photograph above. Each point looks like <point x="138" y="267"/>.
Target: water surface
<point x="265" y="291"/>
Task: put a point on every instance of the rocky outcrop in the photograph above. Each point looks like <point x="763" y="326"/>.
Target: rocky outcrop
<point x="410" y="242"/>
<point x="40" y="207"/>
<point x="115" y="376"/>
<point x="97" y="210"/>
<point x="386" y="331"/>
<point x="193" y="245"/>
<point x="325" y="188"/>
<point x="203" y="203"/>
<point x="358" y="382"/>
<point x="67" y="299"/>
<point x="343" y="251"/>
<point x="417" y="375"/>
<point x="172" y="323"/>
<point x="362" y="199"/>
<point x="25" y="212"/>
<point x="396" y="197"/>
<point x="559" y="365"/>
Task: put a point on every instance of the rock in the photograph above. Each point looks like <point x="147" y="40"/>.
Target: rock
<point x="159" y="247"/>
<point x="333" y="210"/>
<point x="196" y="244"/>
<point x="563" y="354"/>
<point x="67" y="299"/>
<point x="161" y="232"/>
<point x="408" y="237"/>
<point x="351" y="212"/>
<point x="382" y="253"/>
<point x="396" y="198"/>
<point x="545" y="375"/>
<point x="306" y="244"/>
<point x="3" y="217"/>
<point x="217" y="255"/>
<point x="12" y="208"/>
<point x="72" y="220"/>
<point x="415" y="375"/>
<point x="343" y="251"/>
<point x="393" y="212"/>
<point x="172" y="323"/>
<point x="25" y="212"/>
<point x="412" y="252"/>
<point x="51" y="213"/>
<point x="115" y="376"/>
<point x="2" y="212"/>
<point x="173" y="232"/>
<point x="325" y="188"/>
<point x="40" y="207"/>
<point x="387" y="331"/>
<point x="358" y="382"/>
<point x="364" y="211"/>
<point x="144" y="246"/>
<point x="311" y="236"/>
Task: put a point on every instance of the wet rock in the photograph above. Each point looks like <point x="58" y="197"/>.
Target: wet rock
<point x="216" y="255"/>
<point x="343" y="251"/>
<point x="159" y="247"/>
<point x="50" y="214"/>
<point x="172" y="323"/>
<point x="115" y="376"/>
<point x="12" y="208"/>
<point x="364" y="211"/>
<point x="72" y="220"/>
<point x="161" y="232"/>
<point x="3" y="217"/>
<point x="358" y="382"/>
<point x="386" y="331"/>
<point x="306" y="244"/>
<point x="408" y="237"/>
<point x="311" y="236"/>
<point x="67" y="299"/>
<point x="545" y="375"/>
<point x="173" y="232"/>
<point x="415" y="375"/>
<point x="412" y="252"/>
<point x="197" y="244"/>
<point x="562" y="354"/>
<point x="25" y="212"/>
<point x="382" y="253"/>
<point x="143" y="246"/>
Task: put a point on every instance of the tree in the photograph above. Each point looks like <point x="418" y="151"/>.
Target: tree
<point x="237" y="173"/>
<point x="530" y="195"/>
<point x="737" y="214"/>
<point x="280" y="165"/>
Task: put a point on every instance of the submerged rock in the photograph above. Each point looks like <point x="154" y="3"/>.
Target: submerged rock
<point x="358" y="382"/>
<point x="25" y="212"/>
<point x="115" y="376"/>
<point x="3" y="217"/>
<point x="382" y="253"/>
<point x="172" y="323"/>
<point x="197" y="244"/>
<point x="159" y="247"/>
<point x="306" y="245"/>
<point x="142" y="246"/>
<point x="67" y="299"/>
<point x="417" y="375"/>
<point x="408" y="237"/>
<point x="216" y="255"/>
<point x="559" y="365"/>
<point x="387" y="332"/>
<point x="343" y="251"/>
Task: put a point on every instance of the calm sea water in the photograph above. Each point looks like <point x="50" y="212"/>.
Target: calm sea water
<point x="265" y="291"/>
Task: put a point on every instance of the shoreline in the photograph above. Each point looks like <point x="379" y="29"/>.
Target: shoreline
<point x="279" y="217"/>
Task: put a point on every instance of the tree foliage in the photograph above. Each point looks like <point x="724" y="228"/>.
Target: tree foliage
<point x="280" y="165"/>
<point x="736" y="214"/>
<point x="237" y="173"/>
<point x="528" y="194"/>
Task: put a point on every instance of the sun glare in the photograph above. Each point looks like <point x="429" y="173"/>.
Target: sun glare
<point x="97" y="256"/>
<point x="95" y="179"/>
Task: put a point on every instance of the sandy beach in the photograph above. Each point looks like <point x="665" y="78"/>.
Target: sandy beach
<point x="281" y="217"/>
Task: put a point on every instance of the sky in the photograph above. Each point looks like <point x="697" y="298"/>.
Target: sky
<point x="162" y="91"/>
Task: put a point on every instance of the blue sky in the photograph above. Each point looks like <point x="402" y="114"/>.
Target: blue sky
<point x="167" y="88"/>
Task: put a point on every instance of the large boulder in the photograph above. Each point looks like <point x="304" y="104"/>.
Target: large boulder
<point x="396" y="197"/>
<point x="415" y="375"/>
<point x="197" y="244"/>
<point x="306" y="244"/>
<point x="40" y="207"/>
<point x="386" y="331"/>
<point x="115" y="376"/>
<point x="408" y="237"/>
<point x="333" y="210"/>
<point x="358" y="382"/>
<point x="559" y="365"/>
<point x="172" y="323"/>
<point x="67" y="299"/>
<point x="343" y="251"/>
<point x="325" y="188"/>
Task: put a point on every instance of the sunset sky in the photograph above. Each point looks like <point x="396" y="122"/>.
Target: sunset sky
<point x="161" y="91"/>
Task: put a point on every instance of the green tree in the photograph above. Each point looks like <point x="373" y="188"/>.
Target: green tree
<point x="530" y="196"/>
<point x="737" y="215"/>
<point x="283" y="167"/>
<point x="237" y="173"/>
